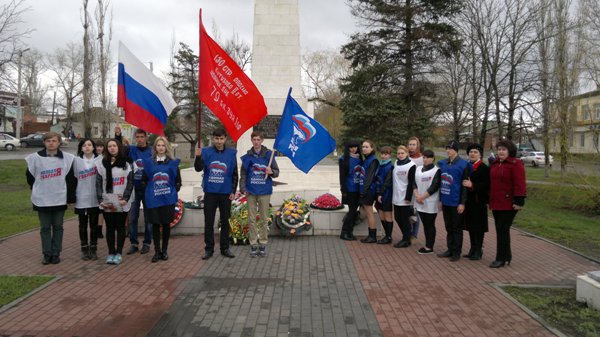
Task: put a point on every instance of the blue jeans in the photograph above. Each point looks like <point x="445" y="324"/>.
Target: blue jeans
<point x="134" y="214"/>
<point x="51" y="231"/>
<point x="415" y="226"/>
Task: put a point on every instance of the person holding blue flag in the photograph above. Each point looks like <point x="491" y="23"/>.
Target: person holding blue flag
<point x="258" y="169"/>
<point x="219" y="184"/>
<point x="301" y="138"/>
<point x="138" y="153"/>
<point x="351" y="174"/>
<point x="162" y="181"/>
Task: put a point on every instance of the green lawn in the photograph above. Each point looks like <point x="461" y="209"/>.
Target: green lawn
<point x="565" y="214"/>
<point x="558" y="307"/>
<point x="537" y="174"/>
<point x="15" y="204"/>
<point x="13" y="287"/>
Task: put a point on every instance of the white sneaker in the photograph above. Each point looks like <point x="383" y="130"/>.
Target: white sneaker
<point x="110" y="259"/>
<point x="118" y="259"/>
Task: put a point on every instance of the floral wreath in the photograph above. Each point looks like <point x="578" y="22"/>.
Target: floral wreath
<point x="179" y="206"/>
<point x="238" y="221"/>
<point x="293" y="216"/>
<point x="327" y="202"/>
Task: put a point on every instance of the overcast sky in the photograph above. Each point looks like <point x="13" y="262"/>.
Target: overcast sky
<point x="146" y="27"/>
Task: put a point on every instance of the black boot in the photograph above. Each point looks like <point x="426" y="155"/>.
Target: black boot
<point x="157" y="256"/>
<point x="85" y="253"/>
<point x="371" y="238"/>
<point x="93" y="255"/>
<point x="471" y="253"/>
<point x="387" y="227"/>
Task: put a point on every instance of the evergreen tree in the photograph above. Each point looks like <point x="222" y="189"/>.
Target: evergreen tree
<point x="386" y="98"/>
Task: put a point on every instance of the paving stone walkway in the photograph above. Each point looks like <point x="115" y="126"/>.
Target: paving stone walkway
<point x="309" y="286"/>
<point x="303" y="287"/>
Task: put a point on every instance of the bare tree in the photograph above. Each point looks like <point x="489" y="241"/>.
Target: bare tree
<point x="568" y="55"/>
<point x="11" y="33"/>
<point x="67" y="65"/>
<point x="504" y="39"/>
<point x="323" y="71"/>
<point x="32" y="69"/>
<point x="545" y="32"/>
<point x="87" y="69"/>
<point x="104" y="63"/>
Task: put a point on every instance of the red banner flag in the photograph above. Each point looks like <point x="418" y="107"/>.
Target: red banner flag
<point x="226" y="90"/>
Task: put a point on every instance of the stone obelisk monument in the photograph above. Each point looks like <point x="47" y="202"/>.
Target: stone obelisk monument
<point x="275" y="62"/>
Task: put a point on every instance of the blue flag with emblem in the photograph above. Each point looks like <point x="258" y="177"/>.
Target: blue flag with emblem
<point x="301" y="138"/>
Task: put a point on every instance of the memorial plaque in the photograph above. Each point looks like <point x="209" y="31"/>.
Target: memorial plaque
<point x="268" y="126"/>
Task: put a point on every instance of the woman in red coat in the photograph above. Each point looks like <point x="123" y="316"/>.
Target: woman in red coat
<point x="507" y="196"/>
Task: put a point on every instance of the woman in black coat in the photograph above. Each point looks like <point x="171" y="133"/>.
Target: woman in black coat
<point x="478" y="187"/>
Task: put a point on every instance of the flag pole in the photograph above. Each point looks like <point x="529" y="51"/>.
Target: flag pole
<point x="199" y="118"/>
<point x="270" y="162"/>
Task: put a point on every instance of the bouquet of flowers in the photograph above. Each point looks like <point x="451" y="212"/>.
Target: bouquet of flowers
<point x="293" y="216"/>
<point x="238" y="221"/>
<point x="327" y="201"/>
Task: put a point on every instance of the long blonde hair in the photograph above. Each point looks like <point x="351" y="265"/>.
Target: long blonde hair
<point x="168" y="153"/>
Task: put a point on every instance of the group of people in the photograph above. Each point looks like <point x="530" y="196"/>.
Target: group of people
<point x="411" y="189"/>
<point x="108" y="180"/>
<point x="220" y="182"/>
<point x="113" y="180"/>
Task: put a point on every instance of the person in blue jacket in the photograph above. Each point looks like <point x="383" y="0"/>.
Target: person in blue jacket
<point x="138" y="153"/>
<point x="162" y="181"/>
<point x="453" y="197"/>
<point x="351" y="174"/>
<point x="384" y="193"/>
<point x="368" y="193"/>
<point x="219" y="184"/>
<point x="256" y="182"/>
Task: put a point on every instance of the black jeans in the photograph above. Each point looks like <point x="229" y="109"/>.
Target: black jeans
<point x="402" y="217"/>
<point x="454" y="229"/>
<point x="166" y="233"/>
<point x="88" y="217"/>
<point x="503" y="221"/>
<point x="428" y="220"/>
<point x="352" y="199"/>
<point x="115" y="223"/>
<point x="212" y="201"/>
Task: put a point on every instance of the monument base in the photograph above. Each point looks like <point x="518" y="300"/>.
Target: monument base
<point x="588" y="289"/>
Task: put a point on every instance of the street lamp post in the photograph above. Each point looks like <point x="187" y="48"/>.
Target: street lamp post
<point x="19" y="112"/>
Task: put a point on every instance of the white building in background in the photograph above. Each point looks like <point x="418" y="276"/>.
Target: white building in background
<point x="584" y="136"/>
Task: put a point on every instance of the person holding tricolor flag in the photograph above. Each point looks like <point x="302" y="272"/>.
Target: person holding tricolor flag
<point x="147" y="104"/>
<point x="301" y="138"/>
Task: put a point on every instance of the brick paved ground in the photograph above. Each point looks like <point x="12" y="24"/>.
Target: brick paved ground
<point x="312" y="286"/>
<point x="304" y="287"/>
<point x="92" y="298"/>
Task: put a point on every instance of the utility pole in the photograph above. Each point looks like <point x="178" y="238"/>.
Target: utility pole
<point x="19" y="112"/>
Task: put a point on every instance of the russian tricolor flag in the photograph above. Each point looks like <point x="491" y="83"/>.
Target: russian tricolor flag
<point x="146" y="101"/>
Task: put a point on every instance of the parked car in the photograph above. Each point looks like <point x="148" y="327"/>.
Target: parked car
<point x="536" y="158"/>
<point x="36" y="139"/>
<point x="9" y="142"/>
<point x="521" y="152"/>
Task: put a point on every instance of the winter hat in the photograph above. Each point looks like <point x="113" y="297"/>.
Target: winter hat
<point x="453" y="145"/>
<point x="476" y="147"/>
